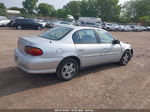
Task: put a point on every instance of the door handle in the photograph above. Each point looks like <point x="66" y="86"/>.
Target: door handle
<point x="80" y="49"/>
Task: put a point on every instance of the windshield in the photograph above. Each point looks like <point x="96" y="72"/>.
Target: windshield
<point x="109" y="24"/>
<point x="56" y="33"/>
<point x="37" y="20"/>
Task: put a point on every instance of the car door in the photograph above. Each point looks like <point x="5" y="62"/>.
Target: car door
<point x="110" y="52"/>
<point x="24" y="23"/>
<point x="21" y="22"/>
<point x="30" y="24"/>
<point x="87" y="46"/>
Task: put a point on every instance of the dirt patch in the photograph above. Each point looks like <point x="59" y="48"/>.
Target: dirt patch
<point x="103" y="86"/>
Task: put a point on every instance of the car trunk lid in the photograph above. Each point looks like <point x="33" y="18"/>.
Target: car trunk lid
<point x="30" y="41"/>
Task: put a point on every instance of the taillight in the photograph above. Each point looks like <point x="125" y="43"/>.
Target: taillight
<point x="34" y="51"/>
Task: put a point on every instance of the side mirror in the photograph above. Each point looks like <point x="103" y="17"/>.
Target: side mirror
<point x="116" y="42"/>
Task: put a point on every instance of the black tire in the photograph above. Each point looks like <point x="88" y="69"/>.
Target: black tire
<point x="107" y="29"/>
<point x="39" y="28"/>
<point x="65" y="72"/>
<point x="19" y="27"/>
<point x="125" y="58"/>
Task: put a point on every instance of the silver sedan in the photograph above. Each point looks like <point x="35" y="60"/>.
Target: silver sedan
<point x="64" y="50"/>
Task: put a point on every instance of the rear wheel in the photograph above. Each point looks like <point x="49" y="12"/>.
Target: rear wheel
<point x="19" y="27"/>
<point x="67" y="69"/>
<point x="125" y="58"/>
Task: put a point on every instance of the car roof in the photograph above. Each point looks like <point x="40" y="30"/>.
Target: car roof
<point x="82" y="27"/>
<point x="3" y="17"/>
<point x="62" y="21"/>
<point x="88" y="21"/>
<point x="25" y="19"/>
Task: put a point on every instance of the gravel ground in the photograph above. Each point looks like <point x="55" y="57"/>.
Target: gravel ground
<point x="103" y="86"/>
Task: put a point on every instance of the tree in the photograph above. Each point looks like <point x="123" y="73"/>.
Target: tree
<point x="30" y="6"/>
<point x="2" y="8"/>
<point x="135" y="9"/>
<point x="88" y="8"/>
<point x="14" y="8"/>
<point x="108" y="10"/>
<point x="73" y="8"/>
<point x="45" y="9"/>
<point x="61" y="13"/>
<point x="145" y="20"/>
<point x="125" y="13"/>
<point x="54" y="13"/>
<point x="142" y="8"/>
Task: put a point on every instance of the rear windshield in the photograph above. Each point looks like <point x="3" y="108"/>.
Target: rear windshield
<point x="3" y="18"/>
<point x="56" y="33"/>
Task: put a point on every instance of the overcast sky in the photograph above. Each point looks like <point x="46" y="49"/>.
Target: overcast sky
<point x="57" y="3"/>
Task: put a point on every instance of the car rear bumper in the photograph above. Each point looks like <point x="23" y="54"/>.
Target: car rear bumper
<point x="36" y="65"/>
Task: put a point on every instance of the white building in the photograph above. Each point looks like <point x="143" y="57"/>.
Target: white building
<point x="13" y="12"/>
<point x="92" y="19"/>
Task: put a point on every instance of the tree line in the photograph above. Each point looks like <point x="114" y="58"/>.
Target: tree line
<point x="108" y="10"/>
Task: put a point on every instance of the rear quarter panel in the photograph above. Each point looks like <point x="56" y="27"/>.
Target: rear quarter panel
<point x="58" y="49"/>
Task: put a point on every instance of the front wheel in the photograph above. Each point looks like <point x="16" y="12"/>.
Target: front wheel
<point x="67" y="69"/>
<point x="125" y="58"/>
<point x="39" y="27"/>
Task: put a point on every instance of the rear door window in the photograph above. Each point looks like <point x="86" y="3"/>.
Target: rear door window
<point x="29" y="21"/>
<point x="76" y="38"/>
<point x="86" y="36"/>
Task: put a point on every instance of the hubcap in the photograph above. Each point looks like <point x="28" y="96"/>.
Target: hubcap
<point x="19" y="27"/>
<point x="39" y="28"/>
<point x="68" y="70"/>
<point x="125" y="58"/>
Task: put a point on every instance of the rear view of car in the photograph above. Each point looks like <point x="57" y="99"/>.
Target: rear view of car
<point x="127" y="28"/>
<point x="61" y="23"/>
<point x="49" y="24"/>
<point x="90" y="24"/>
<point x="41" y="54"/>
<point x="121" y="27"/>
<point x="147" y="28"/>
<point x="4" y="21"/>
<point x="110" y="27"/>
<point x="136" y="28"/>
<point x="42" y="22"/>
